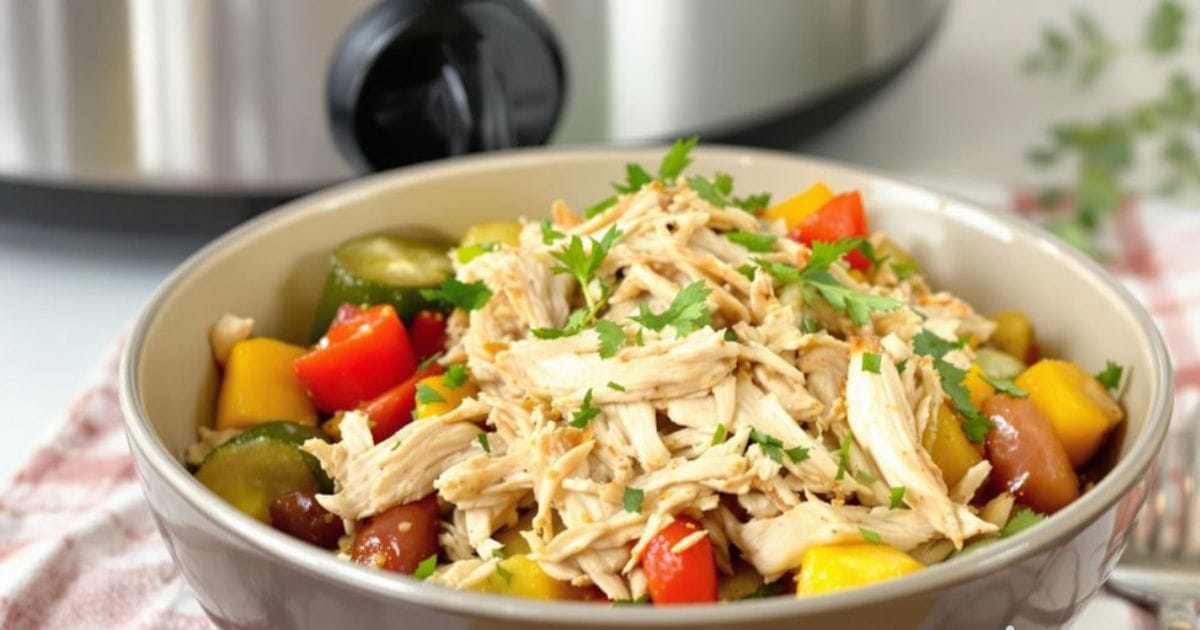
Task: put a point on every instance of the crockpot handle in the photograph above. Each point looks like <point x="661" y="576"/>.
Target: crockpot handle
<point x="415" y="80"/>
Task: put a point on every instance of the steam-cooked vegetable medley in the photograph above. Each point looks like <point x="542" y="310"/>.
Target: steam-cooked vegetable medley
<point x="681" y="395"/>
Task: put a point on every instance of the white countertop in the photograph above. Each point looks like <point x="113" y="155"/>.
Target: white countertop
<point x="962" y="112"/>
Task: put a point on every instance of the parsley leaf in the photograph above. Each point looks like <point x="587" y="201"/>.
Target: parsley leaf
<point x="638" y="340"/>
<point x="900" y="367"/>
<point x="931" y="345"/>
<point x="576" y="322"/>
<point x="616" y="387"/>
<point x="688" y="311"/>
<point x="677" y="159"/>
<point x="870" y="536"/>
<point x="1006" y="386"/>
<point x="797" y="454"/>
<point x="483" y="441"/>
<point x="632" y="499"/>
<point x="730" y="336"/>
<point x="747" y="270"/>
<point x="809" y="325"/>
<point x="753" y="241"/>
<point x="427" y="394"/>
<point x="612" y="338"/>
<point x="1110" y="376"/>
<point x="504" y="574"/>
<point x="467" y="253"/>
<point x="771" y="446"/>
<point x="455" y="376"/>
<point x="723" y="182"/>
<point x="843" y="458"/>
<point x="585" y="413"/>
<point x="1019" y="522"/>
<point x="635" y="178"/>
<point x="904" y="269"/>
<point x="426" y="567"/>
<point x="975" y="425"/>
<point x="753" y="203"/>
<point x="720" y="435"/>
<point x="549" y="234"/>
<point x="815" y="276"/>
<point x="871" y="362"/>
<point x="897" y="499"/>
<point x="599" y="206"/>
<point x="707" y="191"/>
<point x="465" y="295"/>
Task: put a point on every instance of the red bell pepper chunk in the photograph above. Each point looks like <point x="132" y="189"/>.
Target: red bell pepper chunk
<point x="687" y="577"/>
<point x="428" y="333"/>
<point x="392" y="410"/>
<point x="357" y="360"/>
<point x="842" y="217"/>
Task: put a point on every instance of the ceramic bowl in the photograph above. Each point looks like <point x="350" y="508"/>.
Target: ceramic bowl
<point x="245" y="574"/>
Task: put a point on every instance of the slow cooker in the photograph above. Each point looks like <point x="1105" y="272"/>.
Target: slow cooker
<point x="265" y="99"/>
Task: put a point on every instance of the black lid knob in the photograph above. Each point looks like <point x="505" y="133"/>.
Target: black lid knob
<point x="417" y="80"/>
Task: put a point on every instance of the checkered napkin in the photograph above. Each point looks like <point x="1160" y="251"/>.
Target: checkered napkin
<point x="79" y="549"/>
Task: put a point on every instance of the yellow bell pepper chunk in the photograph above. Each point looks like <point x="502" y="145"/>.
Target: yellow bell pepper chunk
<point x="259" y="386"/>
<point x="977" y="386"/>
<point x="1078" y="406"/>
<point x="450" y="398"/>
<point x="797" y="208"/>
<point x="832" y="568"/>
<point x="1014" y="333"/>
<point x="518" y="576"/>
<point x="949" y="447"/>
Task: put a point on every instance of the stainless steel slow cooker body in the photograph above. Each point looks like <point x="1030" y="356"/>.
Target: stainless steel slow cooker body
<point x="234" y="96"/>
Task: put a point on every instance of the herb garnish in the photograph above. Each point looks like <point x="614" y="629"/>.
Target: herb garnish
<point x="747" y="270"/>
<point x="730" y="336"/>
<point x="632" y="499"/>
<point x="504" y="574"/>
<point x="483" y="441"/>
<point x="871" y="362"/>
<point x="815" y="277"/>
<point x="1019" y="522"/>
<point x="616" y="387"/>
<point x="585" y="413"/>
<point x="975" y="425"/>
<point x="426" y="567"/>
<point x="467" y="253"/>
<point x="753" y="241"/>
<point x="455" y="376"/>
<point x="1006" y="386"/>
<point x="427" y="394"/>
<point x="612" y="338"/>
<point x="843" y="458"/>
<point x="687" y="312"/>
<point x="719" y="435"/>
<point x="897" y="499"/>
<point x="1110" y="376"/>
<point x="599" y="207"/>
<point x="429" y="360"/>
<point x="582" y="266"/>
<point x="870" y="536"/>
<point x="797" y="454"/>
<point x="771" y="446"/>
<point x="465" y="295"/>
<point x="549" y="234"/>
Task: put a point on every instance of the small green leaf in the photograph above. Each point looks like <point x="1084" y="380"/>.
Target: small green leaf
<point x="723" y="182"/>
<point x="612" y="338"/>
<point x="504" y="574"/>
<point x="730" y="336"/>
<point x="427" y="394"/>
<point x="549" y="234"/>
<point x="871" y="536"/>
<point x="1110" y="376"/>
<point x="635" y="178"/>
<point x="843" y="458"/>
<point x="483" y="441"/>
<point x="797" y="454"/>
<point x="897" y="499"/>
<point x="426" y="567"/>
<point x="456" y="375"/>
<point x="720" y="435"/>
<point x="585" y="413"/>
<point x="599" y="206"/>
<point x="616" y="387"/>
<point x="747" y="270"/>
<point x="632" y="500"/>
<point x="1019" y="522"/>
<point x="1164" y="30"/>
<point x="871" y="362"/>
<point x="753" y="241"/>
<point x="429" y="360"/>
<point x="465" y="295"/>
<point x="688" y="311"/>
<point x="677" y="159"/>
<point x="1006" y="386"/>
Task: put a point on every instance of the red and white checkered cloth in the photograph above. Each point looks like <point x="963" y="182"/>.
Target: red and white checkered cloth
<point x="79" y="549"/>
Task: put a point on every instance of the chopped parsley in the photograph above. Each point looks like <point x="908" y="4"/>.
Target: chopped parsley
<point x="720" y="435"/>
<point x="809" y="325"/>
<point x="730" y="335"/>
<point x="582" y="265"/>
<point x="677" y="159"/>
<point x="747" y="270"/>
<point x="753" y="203"/>
<point x="427" y="394"/>
<point x="687" y="312"/>
<point x="426" y="567"/>
<point x="864" y="475"/>
<point x="1110" y="376"/>
<point x="871" y="362"/>
<point x="616" y="387"/>
<point x="504" y="574"/>
<point x="549" y="234"/>
<point x="707" y="191"/>
<point x="901" y="366"/>
<point x="1019" y="522"/>
<point x="974" y="425"/>
<point x="467" y="253"/>
<point x="904" y="269"/>
<point x="797" y="454"/>
<point x="483" y="441"/>
<point x="753" y="241"/>
<point x="814" y="278"/>
<point x="638" y="340"/>
<point x="585" y="413"/>
<point x="897" y="499"/>
<point x="598" y="207"/>
<point x="455" y="376"/>
<point x="635" y="178"/>
<point x="465" y="295"/>
<point x="1006" y="386"/>
<point x="612" y="338"/>
<point x="843" y="458"/>
<point x="398" y="442"/>
<point x="632" y="499"/>
<point x="771" y="446"/>
<point x="719" y="191"/>
<point x="871" y="536"/>
<point x="429" y="360"/>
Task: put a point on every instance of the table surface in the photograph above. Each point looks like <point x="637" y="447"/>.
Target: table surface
<point x="961" y="112"/>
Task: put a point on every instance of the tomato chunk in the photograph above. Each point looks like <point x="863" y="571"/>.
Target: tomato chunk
<point x="359" y="358"/>
<point x="398" y="538"/>
<point x="428" y="333"/>
<point x="687" y="577"/>
<point x="299" y="515"/>
<point x="842" y="217"/>
<point x="392" y="410"/>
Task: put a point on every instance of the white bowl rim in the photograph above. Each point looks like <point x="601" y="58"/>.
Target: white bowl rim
<point x="324" y="565"/>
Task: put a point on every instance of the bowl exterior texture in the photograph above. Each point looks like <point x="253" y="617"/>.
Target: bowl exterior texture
<point x="247" y="575"/>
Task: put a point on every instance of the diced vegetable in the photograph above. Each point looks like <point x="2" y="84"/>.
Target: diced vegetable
<point x="288" y="433"/>
<point x="299" y="515"/>
<point x="1014" y="334"/>
<point x="977" y="386"/>
<point x="1027" y="458"/>
<point x="427" y="332"/>
<point x="250" y="474"/>
<point x="381" y="269"/>
<point x="357" y="360"/>
<point x="796" y="209"/>
<point x="435" y="397"/>
<point x="687" y="577"/>
<point x="519" y="576"/>
<point x="843" y="217"/>
<point x="1080" y="409"/>
<point x="259" y="386"/>
<point x="949" y="447"/>
<point x="392" y="410"/>
<point x="482" y="237"/>
<point x="832" y="568"/>
<point x="399" y="538"/>
<point x="998" y="364"/>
